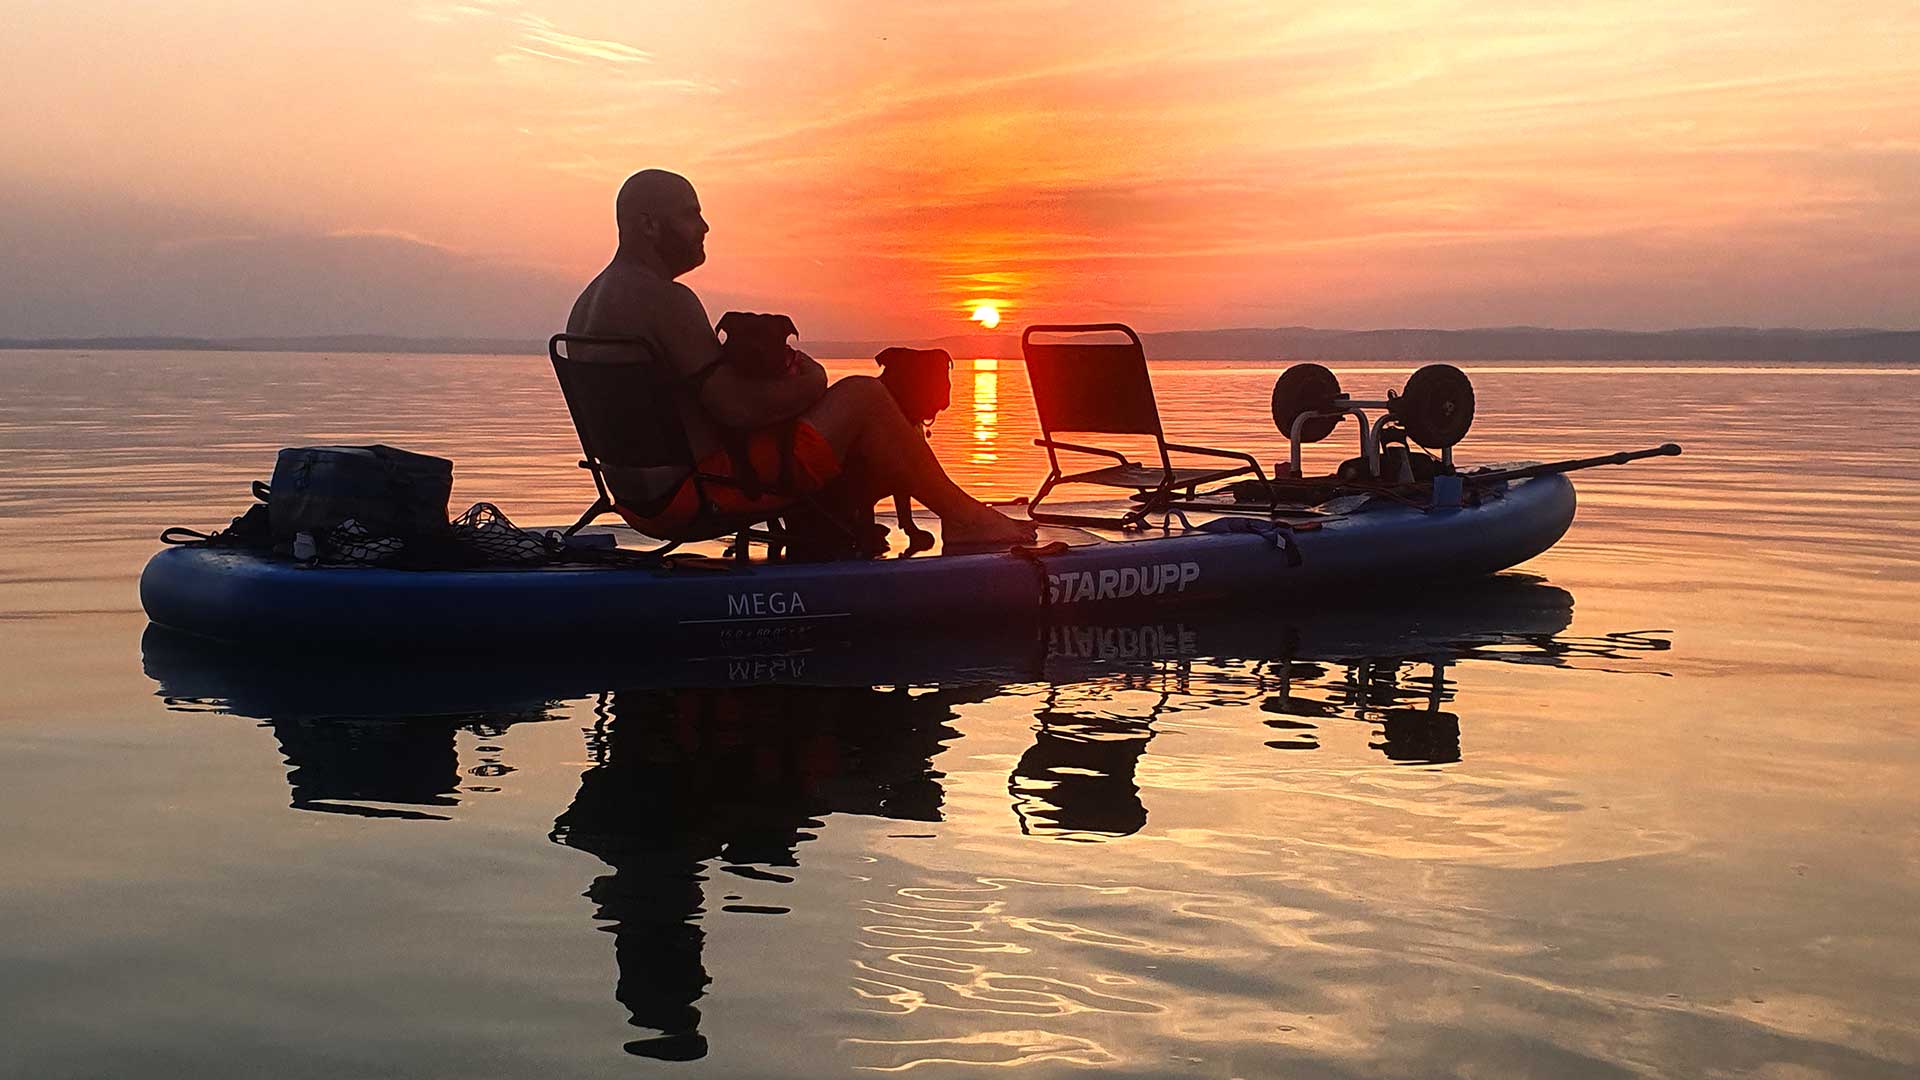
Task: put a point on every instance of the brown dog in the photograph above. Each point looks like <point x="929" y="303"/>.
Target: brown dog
<point x="921" y="383"/>
<point x="756" y="343"/>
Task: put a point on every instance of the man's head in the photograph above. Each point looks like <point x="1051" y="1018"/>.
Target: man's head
<point x="659" y="219"/>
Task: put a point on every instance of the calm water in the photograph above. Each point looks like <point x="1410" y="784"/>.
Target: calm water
<point x="1648" y="808"/>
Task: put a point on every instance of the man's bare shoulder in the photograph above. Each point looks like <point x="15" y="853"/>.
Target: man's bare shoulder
<point x="677" y="302"/>
<point x="628" y="302"/>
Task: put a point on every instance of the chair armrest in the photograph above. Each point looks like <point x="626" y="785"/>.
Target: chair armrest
<point x="1213" y="452"/>
<point x="1097" y="450"/>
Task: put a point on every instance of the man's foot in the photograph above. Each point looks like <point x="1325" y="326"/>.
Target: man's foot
<point x="986" y="528"/>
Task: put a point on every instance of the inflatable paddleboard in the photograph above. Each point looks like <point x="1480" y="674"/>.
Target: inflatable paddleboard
<point x="1073" y="574"/>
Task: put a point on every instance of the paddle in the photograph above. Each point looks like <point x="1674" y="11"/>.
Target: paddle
<point x="1621" y="458"/>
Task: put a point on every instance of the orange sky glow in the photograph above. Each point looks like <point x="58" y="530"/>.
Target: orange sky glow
<point x="884" y="169"/>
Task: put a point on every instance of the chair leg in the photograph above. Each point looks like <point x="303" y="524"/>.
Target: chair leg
<point x="1040" y="496"/>
<point x="601" y="505"/>
<point x="1152" y="502"/>
<point x="768" y="532"/>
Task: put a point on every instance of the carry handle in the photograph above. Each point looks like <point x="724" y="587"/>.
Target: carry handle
<point x="557" y="340"/>
<point x="1026" y="335"/>
<point x="644" y="344"/>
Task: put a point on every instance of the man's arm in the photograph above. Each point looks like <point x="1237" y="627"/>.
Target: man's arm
<point x="737" y="401"/>
<point x="731" y="398"/>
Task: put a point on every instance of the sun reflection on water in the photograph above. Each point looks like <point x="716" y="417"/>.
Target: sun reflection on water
<point x="986" y="410"/>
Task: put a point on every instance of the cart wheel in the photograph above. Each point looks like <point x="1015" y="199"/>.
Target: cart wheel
<point x="1305" y="388"/>
<point x="1437" y="406"/>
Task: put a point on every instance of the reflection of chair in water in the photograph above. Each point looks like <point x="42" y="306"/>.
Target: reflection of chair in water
<point x="685" y="777"/>
<point x="1077" y="779"/>
<point x="1414" y="729"/>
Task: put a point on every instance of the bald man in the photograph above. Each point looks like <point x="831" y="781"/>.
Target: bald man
<point x="850" y="434"/>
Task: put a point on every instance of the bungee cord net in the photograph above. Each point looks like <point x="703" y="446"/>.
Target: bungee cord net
<point x="481" y="536"/>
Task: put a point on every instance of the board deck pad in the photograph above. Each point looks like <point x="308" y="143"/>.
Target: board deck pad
<point x="1071" y="535"/>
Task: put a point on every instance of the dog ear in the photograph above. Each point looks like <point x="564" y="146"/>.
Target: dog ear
<point x="729" y="323"/>
<point x="787" y="322"/>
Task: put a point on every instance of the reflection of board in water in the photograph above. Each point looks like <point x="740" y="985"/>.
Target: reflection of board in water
<point x="729" y="762"/>
<point x="280" y="682"/>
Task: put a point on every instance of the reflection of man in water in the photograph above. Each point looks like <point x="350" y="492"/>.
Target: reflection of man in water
<point x="740" y="775"/>
<point x="851" y="432"/>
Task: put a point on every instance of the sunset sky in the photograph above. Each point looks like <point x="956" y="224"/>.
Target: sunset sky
<point x="881" y="169"/>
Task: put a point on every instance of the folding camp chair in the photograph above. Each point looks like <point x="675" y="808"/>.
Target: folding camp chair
<point x="625" y="415"/>
<point x="1103" y="388"/>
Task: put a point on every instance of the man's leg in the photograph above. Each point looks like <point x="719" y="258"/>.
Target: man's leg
<point x="867" y="431"/>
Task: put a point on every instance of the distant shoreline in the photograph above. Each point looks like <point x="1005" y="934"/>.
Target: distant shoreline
<point x="1497" y="344"/>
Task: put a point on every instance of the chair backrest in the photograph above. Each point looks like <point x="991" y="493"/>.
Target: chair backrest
<point x="1098" y="387"/>
<point x="622" y="402"/>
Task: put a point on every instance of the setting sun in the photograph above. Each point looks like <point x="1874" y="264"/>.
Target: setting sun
<point x="987" y="315"/>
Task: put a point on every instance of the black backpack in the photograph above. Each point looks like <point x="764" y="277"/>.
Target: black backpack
<point x="390" y="492"/>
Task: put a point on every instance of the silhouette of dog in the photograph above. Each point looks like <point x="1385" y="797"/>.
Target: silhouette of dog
<point x="840" y="522"/>
<point x="757" y="344"/>
<point x="921" y="383"/>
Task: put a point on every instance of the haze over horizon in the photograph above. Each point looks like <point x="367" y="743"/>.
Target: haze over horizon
<point x="879" y="170"/>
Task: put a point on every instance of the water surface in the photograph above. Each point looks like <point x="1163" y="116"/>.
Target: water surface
<point x="1644" y="808"/>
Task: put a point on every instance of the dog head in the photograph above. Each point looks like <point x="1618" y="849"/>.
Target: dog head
<point x="756" y="343"/>
<point x="919" y="380"/>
